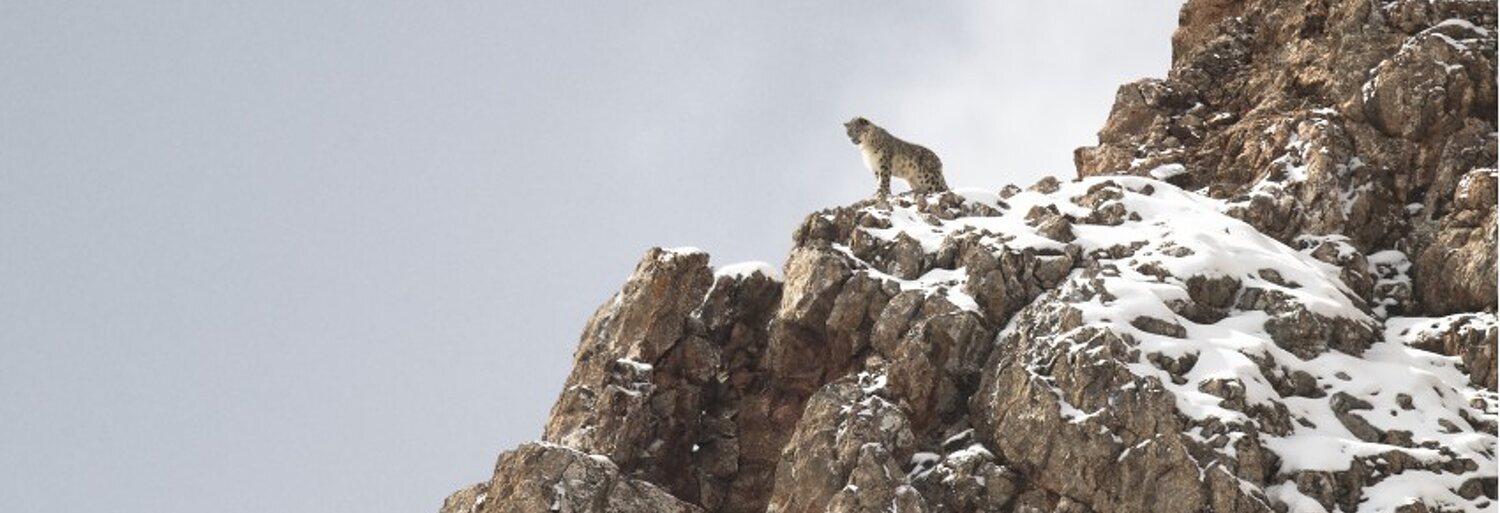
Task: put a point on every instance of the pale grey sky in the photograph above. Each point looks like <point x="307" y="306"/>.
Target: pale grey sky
<point x="306" y="256"/>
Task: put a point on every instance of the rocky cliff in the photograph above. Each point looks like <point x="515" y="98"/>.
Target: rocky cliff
<point x="1271" y="288"/>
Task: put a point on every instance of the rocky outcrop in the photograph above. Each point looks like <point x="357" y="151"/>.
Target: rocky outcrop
<point x="666" y="378"/>
<point x="1458" y="265"/>
<point x="1357" y="119"/>
<point x="541" y="477"/>
<point x="1471" y="337"/>
<point x="467" y="500"/>
<point x="958" y="357"/>
<point x="1272" y="288"/>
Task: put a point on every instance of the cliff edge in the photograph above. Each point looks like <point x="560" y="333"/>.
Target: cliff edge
<point x="1272" y="288"/>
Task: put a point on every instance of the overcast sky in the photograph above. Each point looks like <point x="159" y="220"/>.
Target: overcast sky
<point x="297" y="256"/>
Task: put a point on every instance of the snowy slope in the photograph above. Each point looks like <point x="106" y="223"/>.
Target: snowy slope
<point x="1317" y="380"/>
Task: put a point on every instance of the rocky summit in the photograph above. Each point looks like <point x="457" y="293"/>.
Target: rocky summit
<point x="1271" y="288"/>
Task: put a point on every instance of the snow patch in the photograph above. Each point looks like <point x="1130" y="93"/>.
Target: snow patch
<point x="744" y="270"/>
<point x="1167" y="171"/>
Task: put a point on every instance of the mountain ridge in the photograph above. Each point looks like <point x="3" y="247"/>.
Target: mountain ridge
<point x="1272" y="288"/>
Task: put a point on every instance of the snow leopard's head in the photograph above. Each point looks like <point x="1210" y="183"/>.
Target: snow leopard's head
<point x="856" y="128"/>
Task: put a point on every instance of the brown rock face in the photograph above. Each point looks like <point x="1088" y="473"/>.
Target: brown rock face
<point x="538" y="477"/>
<point x="1326" y="118"/>
<point x="467" y="500"/>
<point x="1457" y="269"/>
<point x="850" y="439"/>
<point x="662" y="372"/>
<point x="1271" y="289"/>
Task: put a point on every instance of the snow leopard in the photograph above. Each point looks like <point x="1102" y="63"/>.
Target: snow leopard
<point x="887" y="155"/>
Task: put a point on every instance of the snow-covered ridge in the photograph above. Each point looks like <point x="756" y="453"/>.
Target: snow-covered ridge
<point x="1367" y="397"/>
<point x="1183" y="233"/>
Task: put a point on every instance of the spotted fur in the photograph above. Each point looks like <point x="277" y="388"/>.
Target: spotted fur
<point x="887" y="155"/>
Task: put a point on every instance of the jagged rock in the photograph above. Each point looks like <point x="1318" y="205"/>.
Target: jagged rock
<point x="1145" y="112"/>
<point x="1087" y="428"/>
<point x="467" y="500"/>
<point x="1301" y="331"/>
<point x="1458" y="267"/>
<point x="1343" y="404"/>
<point x="1471" y="337"/>
<point x="1433" y="81"/>
<point x="1150" y="324"/>
<point x="537" y="477"/>
<point x="871" y="490"/>
<point x="1047" y="185"/>
<point x="1051" y="224"/>
<point x="662" y="370"/>
<point x="640" y="377"/>
<point x="1209" y="298"/>
<point x="936" y="361"/>
<point x="815" y="276"/>
<point x="968" y="478"/>
<point x="733" y="451"/>
<point x="1002" y="283"/>
<point x="1327" y="117"/>
<point x="847" y="438"/>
